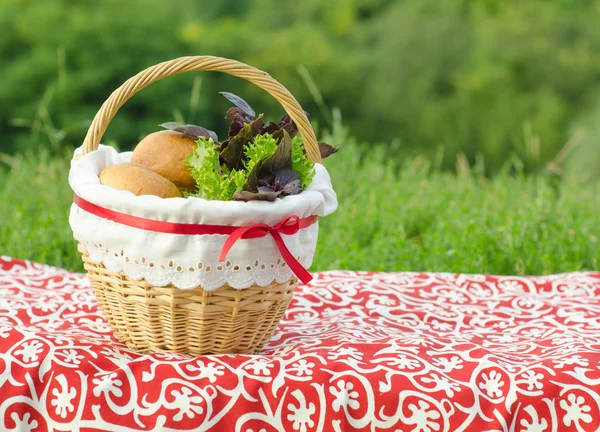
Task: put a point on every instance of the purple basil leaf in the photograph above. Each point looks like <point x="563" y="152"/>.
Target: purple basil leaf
<point x="286" y="175"/>
<point x="171" y="125"/>
<point x="286" y="118"/>
<point x="238" y="117"/>
<point x="269" y="128"/>
<point x="265" y="189"/>
<point x="278" y="161"/>
<point x="222" y="146"/>
<point x="192" y="131"/>
<point x="292" y="188"/>
<point x="289" y="129"/>
<point x="287" y="124"/>
<point x="257" y="125"/>
<point x="255" y="196"/>
<point x="236" y="126"/>
<point x="234" y="148"/>
<point x="287" y="182"/>
<point x="239" y="102"/>
<point x="327" y="150"/>
<point x="233" y="112"/>
<point x="252" y="183"/>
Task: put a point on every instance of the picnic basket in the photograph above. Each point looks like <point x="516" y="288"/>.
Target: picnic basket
<point x="151" y="317"/>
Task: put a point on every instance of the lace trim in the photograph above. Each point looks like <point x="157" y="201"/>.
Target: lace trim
<point x="209" y="274"/>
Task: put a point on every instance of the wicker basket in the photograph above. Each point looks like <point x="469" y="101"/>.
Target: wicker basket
<point x="225" y="320"/>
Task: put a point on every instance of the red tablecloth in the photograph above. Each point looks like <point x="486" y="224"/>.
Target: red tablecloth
<point x="356" y="351"/>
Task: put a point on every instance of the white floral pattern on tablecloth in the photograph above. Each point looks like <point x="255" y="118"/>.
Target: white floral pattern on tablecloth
<point x="355" y="351"/>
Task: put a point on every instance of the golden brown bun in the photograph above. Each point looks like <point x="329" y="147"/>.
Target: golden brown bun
<point x="139" y="180"/>
<point x="165" y="152"/>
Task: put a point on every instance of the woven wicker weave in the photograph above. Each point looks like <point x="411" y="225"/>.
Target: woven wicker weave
<point x="225" y="320"/>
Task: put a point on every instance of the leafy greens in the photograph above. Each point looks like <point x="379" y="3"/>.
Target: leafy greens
<point x="258" y="161"/>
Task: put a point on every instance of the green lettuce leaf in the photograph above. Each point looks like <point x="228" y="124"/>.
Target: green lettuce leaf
<point x="301" y="163"/>
<point x="204" y="166"/>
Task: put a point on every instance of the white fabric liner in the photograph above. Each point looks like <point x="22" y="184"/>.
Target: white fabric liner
<point x="189" y="261"/>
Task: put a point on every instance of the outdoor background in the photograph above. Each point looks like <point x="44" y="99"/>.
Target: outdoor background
<point x="469" y="129"/>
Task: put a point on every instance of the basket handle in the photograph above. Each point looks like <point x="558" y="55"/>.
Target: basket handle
<point x="201" y="63"/>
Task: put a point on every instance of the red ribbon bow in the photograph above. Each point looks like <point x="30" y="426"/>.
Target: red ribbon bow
<point x="288" y="226"/>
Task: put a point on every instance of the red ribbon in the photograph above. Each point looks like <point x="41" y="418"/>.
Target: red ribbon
<point x="288" y="226"/>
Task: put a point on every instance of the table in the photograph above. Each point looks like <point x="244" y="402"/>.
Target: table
<point x="355" y="351"/>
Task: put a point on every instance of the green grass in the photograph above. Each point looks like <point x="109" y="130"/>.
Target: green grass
<point x="392" y="216"/>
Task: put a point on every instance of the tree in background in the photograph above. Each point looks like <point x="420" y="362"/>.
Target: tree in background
<point x="486" y="78"/>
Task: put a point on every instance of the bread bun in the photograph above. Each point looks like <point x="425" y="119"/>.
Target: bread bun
<point x="138" y="180"/>
<point x="165" y="153"/>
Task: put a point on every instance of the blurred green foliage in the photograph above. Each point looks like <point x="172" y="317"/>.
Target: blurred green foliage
<point x="487" y="78"/>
